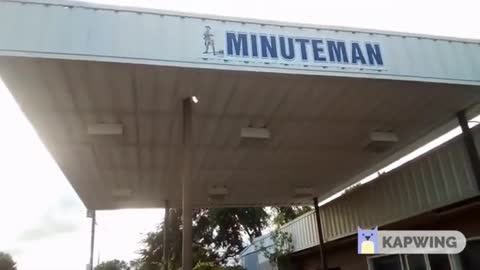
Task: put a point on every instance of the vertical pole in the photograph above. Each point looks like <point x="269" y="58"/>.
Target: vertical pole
<point x="187" y="260"/>
<point x="470" y="146"/>
<point x="323" y="258"/>
<point x="92" y="238"/>
<point x="166" y="229"/>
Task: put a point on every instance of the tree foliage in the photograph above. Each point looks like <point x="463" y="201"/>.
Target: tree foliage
<point x="214" y="266"/>
<point x="7" y="262"/>
<point x="282" y="242"/>
<point x="219" y="235"/>
<point x="151" y="253"/>
<point x="283" y="215"/>
<point x="230" y="224"/>
<point x="113" y="265"/>
<point x="207" y="266"/>
<point x="281" y="246"/>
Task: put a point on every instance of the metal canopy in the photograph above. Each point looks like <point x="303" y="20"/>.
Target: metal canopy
<point x="319" y="128"/>
<point x="81" y="70"/>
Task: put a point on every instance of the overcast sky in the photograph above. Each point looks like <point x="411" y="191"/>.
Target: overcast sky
<point x="43" y="222"/>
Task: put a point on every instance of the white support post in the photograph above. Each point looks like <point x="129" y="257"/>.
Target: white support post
<point x="93" y="215"/>
<point x="187" y="258"/>
<point x="166" y="229"/>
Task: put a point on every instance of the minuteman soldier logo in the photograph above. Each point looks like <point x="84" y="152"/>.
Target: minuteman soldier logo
<point x="209" y="42"/>
<point x="208" y="39"/>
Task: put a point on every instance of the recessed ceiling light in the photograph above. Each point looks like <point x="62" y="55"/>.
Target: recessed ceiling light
<point x="105" y="129"/>
<point x="381" y="141"/>
<point x="255" y="133"/>
<point x="303" y="192"/>
<point x="216" y="191"/>
<point x="122" y="192"/>
<point x="383" y="136"/>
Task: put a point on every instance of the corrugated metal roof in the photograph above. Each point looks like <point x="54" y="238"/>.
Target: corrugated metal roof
<point x="320" y="126"/>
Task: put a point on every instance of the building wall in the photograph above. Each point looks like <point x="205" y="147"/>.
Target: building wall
<point x="343" y="252"/>
<point x="345" y="257"/>
<point x="439" y="178"/>
<point x="250" y="261"/>
<point x="423" y="186"/>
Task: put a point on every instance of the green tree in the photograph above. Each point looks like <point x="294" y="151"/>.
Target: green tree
<point x="229" y="226"/>
<point x="207" y="266"/>
<point x="217" y="236"/>
<point x="7" y="262"/>
<point x="113" y="265"/>
<point x="282" y="245"/>
<point x="151" y="253"/>
<point x="282" y="241"/>
<point x="214" y="266"/>
<point x="283" y="215"/>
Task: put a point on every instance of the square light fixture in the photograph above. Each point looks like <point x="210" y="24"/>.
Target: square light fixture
<point x="105" y="129"/>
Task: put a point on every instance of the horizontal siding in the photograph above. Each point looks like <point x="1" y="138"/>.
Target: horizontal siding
<point x="437" y="179"/>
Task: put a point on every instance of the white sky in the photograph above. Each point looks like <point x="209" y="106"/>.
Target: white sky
<point x="44" y="223"/>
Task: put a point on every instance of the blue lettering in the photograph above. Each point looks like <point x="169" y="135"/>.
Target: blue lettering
<point x="303" y="47"/>
<point x="374" y="54"/>
<point x="237" y="45"/>
<point x="253" y="38"/>
<point x="291" y="49"/>
<point x="337" y="51"/>
<point x="357" y="54"/>
<point x="269" y="47"/>
<point x="318" y="51"/>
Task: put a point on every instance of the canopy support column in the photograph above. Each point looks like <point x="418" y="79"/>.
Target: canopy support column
<point x="166" y="229"/>
<point x="93" y="216"/>
<point x="470" y="145"/>
<point x="323" y="258"/>
<point x="187" y="258"/>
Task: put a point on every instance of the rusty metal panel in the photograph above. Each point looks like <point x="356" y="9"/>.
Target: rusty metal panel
<point x="437" y="179"/>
